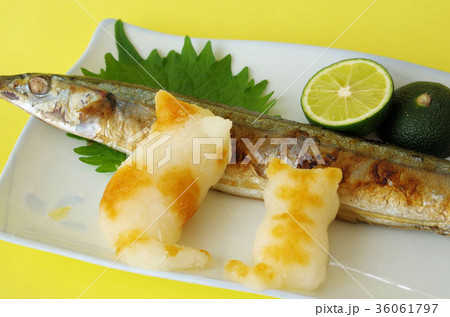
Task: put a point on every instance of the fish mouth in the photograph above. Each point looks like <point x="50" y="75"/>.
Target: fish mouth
<point x="5" y="89"/>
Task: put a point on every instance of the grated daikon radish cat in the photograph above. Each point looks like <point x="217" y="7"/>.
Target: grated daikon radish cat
<point x="291" y="244"/>
<point x="146" y="203"/>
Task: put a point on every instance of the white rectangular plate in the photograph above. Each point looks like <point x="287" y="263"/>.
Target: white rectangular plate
<point x="43" y="173"/>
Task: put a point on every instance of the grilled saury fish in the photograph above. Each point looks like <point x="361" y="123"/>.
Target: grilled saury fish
<point x="381" y="184"/>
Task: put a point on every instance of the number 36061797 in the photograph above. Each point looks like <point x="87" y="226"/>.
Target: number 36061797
<point x="406" y="308"/>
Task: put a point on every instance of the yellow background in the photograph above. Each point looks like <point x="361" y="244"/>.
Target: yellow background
<point x="49" y="36"/>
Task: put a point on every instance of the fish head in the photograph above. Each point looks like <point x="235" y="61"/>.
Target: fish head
<point x="58" y="100"/>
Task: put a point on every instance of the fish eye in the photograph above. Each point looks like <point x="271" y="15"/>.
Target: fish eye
<point x="39" y="85"/>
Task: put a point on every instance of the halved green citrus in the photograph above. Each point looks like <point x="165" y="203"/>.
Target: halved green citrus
<point x="352" y="95"/>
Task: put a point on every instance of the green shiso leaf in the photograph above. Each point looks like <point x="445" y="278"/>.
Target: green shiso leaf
<point x="198" y="75"/>
<point x="107" y="159"/>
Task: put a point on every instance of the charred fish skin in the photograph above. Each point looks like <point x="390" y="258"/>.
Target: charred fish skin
<point x="382" y="184"/>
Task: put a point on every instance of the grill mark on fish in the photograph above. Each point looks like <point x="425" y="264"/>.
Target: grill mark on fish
<point x="102" y="108"/>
